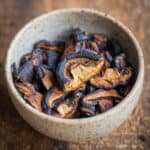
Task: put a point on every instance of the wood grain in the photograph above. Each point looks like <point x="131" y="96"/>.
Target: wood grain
<point x="16" y="134"/>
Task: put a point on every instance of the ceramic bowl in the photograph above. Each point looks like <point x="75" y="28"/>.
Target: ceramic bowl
<point x="54" y="26"/>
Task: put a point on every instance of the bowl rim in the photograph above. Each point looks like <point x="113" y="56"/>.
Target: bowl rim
<point x="15" y="93"/>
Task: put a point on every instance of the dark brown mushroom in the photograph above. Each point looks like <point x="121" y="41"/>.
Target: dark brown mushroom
<point x="102" y="94"/>
<point x="46" y="76"/>
<point x="76" y="69"/>
<point x="81" y="69"/>
<point x="26" y="72"/>
<point x="120" y="61"/>
<point x="25" y="58"/>
<point x="94" y="46"/>
<point x="127" y="90"/>
<point x="50" y="58"/>
<point x="80" y="35"/>
<point x="88" y="109"/>
<point x="108" y="60"/>
<point x="53" y="97"/>
<point x="111" y="78"/>
<point x="57" y="46"/>
<point x="101" y="40"/>
<point x="91" y="100"/>
<point x="14" y="71"/>
<point x="70" y="47"/>
<point x="32" y="96"/>
<point x="82" y="87"/>
<point x="100" y="37"/>
<point x="105" y="104"/>
<point x="68" y="107"/>
<point x="37" y="57"/>
<point x="114" y="47"/>
<point x="90" y="89"/>
<point x="74" y="47"/>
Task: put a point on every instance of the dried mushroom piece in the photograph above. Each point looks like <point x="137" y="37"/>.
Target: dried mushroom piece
<point x="14" y="71"/>
<point x="46" y="76"/>
<point x="120" y="61"/>
<point x="74" y="47"/>
<point x="105" y="104"/>
<point x="90" y="89"/>
<point x="114" y="47"/>
<point x="90" y="101"/>
<point x="127" y="90"/>
<point x="101" y="41"/>
<point x="57" y="46"/>
<point x="37" y="57"/>
<point x="76" y="69"/>
<point x="108" y="59"/>
<point x="38" y="85"/>
<point x="111" y="78"/>
<point x="32" y="96"/>
<point x="52" y="98"/>
<point x="82" y="87"/>
<point x="25" y="58"/>
<point x="88" y="108"/>
<point x="100" y="37"/>
<point x="26" y="72"/>
<point x="68" y="107"/>
<point x="100" y="94"/>
<point x="49" y="57"/>
<point x="80" y="35"/>
<point x="94" y="46"/>
<point x="52" y="59"/>
<point x="70" y="47"/>
<point x="81" y="45"/>
<point x="106" y="54"/>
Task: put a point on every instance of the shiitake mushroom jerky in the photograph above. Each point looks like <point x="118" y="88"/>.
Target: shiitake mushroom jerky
<point x="82" y="77"/>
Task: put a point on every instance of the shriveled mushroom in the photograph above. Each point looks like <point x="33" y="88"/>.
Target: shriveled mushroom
<point x="46" y="76"/>
<point x="14" y="71"/>
<point x="70" y="47"/>
<point x="111" y="78"/>
<point x="105" y="104"/>
<point x="102" y="94"/>
<point x="88" y="108"/>
<point x="80" y="35"/>
<point x="90" y="89"/>
<point x="100" y="40"/>
<point x="37" y="57"/>
<point x="91" y="100"/>
<point x="57" y="46"/>
<point x="25" y="58"/>
<point x="114" y="47"/>
<point x="52" y="98"/>
<point x="76" y="69"/>
<point x="120" y="61"/>
<point x="26" y="72"/>
<point x="30" y="94"/>
<point x="94" y="46"/>
<point x="67" y="108"/>
<point x="127" y="90"/>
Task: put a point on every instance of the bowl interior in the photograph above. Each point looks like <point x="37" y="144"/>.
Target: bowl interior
<point x="56" y="25"/>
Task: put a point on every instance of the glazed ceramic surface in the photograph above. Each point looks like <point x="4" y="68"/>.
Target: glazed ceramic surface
<point x="54" y="26"/>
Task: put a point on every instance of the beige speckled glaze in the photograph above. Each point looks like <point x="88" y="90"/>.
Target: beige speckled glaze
<point x="53" y="26"/>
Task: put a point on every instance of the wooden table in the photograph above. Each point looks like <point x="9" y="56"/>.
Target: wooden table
<point x="16" y="134"/>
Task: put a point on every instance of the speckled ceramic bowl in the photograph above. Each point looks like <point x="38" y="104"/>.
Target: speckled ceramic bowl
<point x="54" y="26"/>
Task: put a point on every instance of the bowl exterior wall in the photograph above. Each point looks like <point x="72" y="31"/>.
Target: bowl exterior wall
<point x="53" y="26"/>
